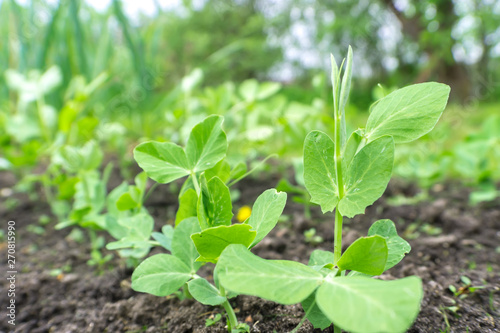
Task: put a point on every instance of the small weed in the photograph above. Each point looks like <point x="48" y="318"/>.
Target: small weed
<point x="212" y="320"/>
<point x="312" y="238"/>
<point x="466" y="289"/>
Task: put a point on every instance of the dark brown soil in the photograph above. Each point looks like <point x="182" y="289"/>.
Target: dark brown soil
<point x="449" y="239"/>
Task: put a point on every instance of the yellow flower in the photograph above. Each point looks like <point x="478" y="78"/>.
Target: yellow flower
<point x="243" y="213"/>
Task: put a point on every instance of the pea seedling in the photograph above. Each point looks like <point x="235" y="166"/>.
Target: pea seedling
<point x="203" y="226"/>
<point x="346" y="175"/>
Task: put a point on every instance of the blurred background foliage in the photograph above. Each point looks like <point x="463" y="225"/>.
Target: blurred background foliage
<point x="120" y="72"/>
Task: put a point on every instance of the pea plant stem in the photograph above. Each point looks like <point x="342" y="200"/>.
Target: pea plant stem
<point x="195" y="183"/>
<point x="233" y="321"/>
<point x="339" y="140"/>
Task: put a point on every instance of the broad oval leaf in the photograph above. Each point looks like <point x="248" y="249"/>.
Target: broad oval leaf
<point x="130" y="200"/>
<point x="265" y="213"/>
<point x="397" y="247"/>
<point x="207" y="144"/>
<point x="205" y="293"/>
<point x="408" y="113"/>
<point x="182" y="245"/>
<point x="379" y="306"/>
<point x="221" y="170"/>
<point x="366" y="255"/>
<point x="188" y="203"/>
<point x="212" y="241"/>
<point x="351" y="148"/>
<point x="164" y="237"/>
<point x="162" y="161"/>
<point x="282" y="281"/>
<point x="321" y="257"/>
<point x="214" y="204"/>
<point x="160" y="275"/>
<point x="313" y="313"/>
<point x="319" y="170"/>
<point x="367" y="176"/>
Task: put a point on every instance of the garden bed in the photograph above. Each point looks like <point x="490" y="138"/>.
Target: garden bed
<point x="450" y="239"/>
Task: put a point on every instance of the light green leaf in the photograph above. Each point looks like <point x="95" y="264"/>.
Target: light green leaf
<point x="221" y="170"/>
<point x="367" y="176"/>
<point x="379" y="306"/>
<point x="212" y="241"/>
<point x="182" y="245"/>
<point x="238" y="171"/>
<point x="408" y="113"/>
<point x="397" y="247"/>
<point x="164" y="237"/>
<point x="188" y="203"/>
<point x="129" y="200"/>
<point x="346" y="81"/>
<point x="350" y="150"/>
<point x="320" y="258"/>
<point x="267" y="89"/>
<point x="162" y="161"/>
<point x="314" y="314"/>
<point x="366" y="255"/>
<point x="249" y="89"/>
<point x="265" y="213"/>
<point x="214" y="204"/>
<point x="285" y="282"/>
<point x="76" y="159"/>
<point x="319" y="170"/>
<point x="207" y="144"/>
<point x="131" y="246"/>
<point x="113" y="197"/>
<point x="205" y="293"/>
<point x="141" y="181"/>
<point x="160" y="275"/>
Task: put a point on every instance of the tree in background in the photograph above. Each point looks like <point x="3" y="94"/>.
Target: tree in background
<point x="414" y="41"/>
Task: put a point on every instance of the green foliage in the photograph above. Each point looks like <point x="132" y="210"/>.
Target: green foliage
<point x="348" y="177"/>
<point x="203" y="228"/>
<point x="166" y="162"/>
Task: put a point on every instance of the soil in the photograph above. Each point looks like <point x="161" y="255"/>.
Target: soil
<point x="449" y="238"/>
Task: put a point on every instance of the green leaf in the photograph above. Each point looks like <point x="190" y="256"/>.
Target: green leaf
<point x="113" y="197"/>
<point x="366" y="255"/>
<point x="265" y="213"/>
<point x="214" y="204"/>
<point x="141" y="180"/>
<point x="346" y="81"/>
<point x="351" y="149"/>
<point x="267" y="89"/>
<point x="238" y="171"/>
<point x="162" y="161"/>
<point x="129" y="200"/>
<point x="320" y="259"/>
<point x="160" y="275"/>
<point x="285" y="282"/>
<point x="367" y="176"/>
<point x="408" y="113"/>
<point x="182" y="245"/>
<point x="205" y="293"/>
<point x="75" y="159"/>
<point x="358" y="304"/>
<point x="212" y="241"/>
<point x="221" y="170"/>
<point x="188" y="203"/>
<point x="319" y="170"/>
<point x="314" y="314"/>
<point x="397" y="247"/>
<point x="164" y="237"/>
<point x="131" y="246"/>
<point x="249" y="89"/>
<point x="207" y="144"/>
